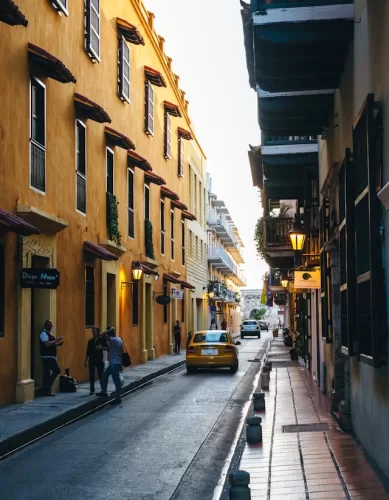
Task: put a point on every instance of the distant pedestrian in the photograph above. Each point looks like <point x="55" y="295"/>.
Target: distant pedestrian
<point x="213" y="325"/>
<point x="48" y="345"/>
<point x="94" y="357"/>
<point x="177" y="337"/>
<point x="116" y="349"/>
<point x="224" y="324"/>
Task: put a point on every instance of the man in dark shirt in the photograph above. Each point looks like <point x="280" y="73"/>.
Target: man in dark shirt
<point x="95" y="357"/>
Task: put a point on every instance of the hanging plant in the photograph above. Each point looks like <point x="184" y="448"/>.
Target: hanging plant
<point x="259" y="233"/>
<point x="149" y="240"/>
<point x="113" y="219"/>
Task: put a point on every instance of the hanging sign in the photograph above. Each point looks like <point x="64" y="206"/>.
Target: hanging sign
<point x="39" y="278"/>
<point x="164" y="300"/>
<point x="177" y="294"/>
<point x="307" y="279"/>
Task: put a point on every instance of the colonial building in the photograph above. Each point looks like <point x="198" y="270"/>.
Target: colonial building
<point x="94" y="169"/>
<point x="324" y="75"/>
<point x="225" y="276"/>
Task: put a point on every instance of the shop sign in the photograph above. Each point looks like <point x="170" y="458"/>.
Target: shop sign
<point x="39" y="278"/>
<point x="307" y="279"/>
<point x="163" y="300"/>
<point x="177" y="294"/>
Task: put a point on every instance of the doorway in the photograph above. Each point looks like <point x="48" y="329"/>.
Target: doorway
<point x="40" y="312"/>
<point x="111" y="300"/>
<point x="149" y="333"/>
<point x="199" y="314"/>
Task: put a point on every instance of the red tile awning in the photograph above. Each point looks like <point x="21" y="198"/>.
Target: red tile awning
<point x="89" y="109"/>
<point x="14" y="223"/>
<point x="185" y="284"/>
<point x="49" y="65"/>
<point x="172" y="109"/>
<point x="171" y="278"/>
<point x="135" y="160"/>
<point x="168" y="193"/>
<point x="99" y="251"/>
<point x="147" y="269"/>
<point x="179" y="205"/>
<point x="187" y="215"/>
<point x="130" y="32"/>
<point x="154" y="178"/>
<point x="118" y="139"/>
<point x="10" y="14"/>
<point x="155" y="77"/>
<point x="185" y="134"/>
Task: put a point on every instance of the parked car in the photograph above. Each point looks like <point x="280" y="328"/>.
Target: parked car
<point x="212" y="349"/>
<point x="250" y="327"/>
<point x="264" y="325"/>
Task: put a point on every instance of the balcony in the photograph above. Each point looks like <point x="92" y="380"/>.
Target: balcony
<point x="221" y="260"/>
<point x="219" y="222"/>
<point x="239" y="279"/>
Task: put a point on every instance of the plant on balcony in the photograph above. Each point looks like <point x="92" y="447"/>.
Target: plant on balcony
<point x="113" y="219"/>
<point x="149" y="240"/>
<point x="237" y="298"/>
<point x="259" y="234"/>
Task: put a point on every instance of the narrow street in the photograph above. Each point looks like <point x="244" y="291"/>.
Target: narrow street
<point x="168" y="440"/>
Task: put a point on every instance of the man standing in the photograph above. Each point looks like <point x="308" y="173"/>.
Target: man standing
<point x="224" y="324"/>
<point x="48" y="345"/>
<point x="116" y="348"/>
<point x="95" y="357"/>
<point x="177" y="337"/>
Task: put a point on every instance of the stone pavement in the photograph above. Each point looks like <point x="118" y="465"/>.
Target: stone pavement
<point x="21" y="423"/>
<point x="319" y="461"/>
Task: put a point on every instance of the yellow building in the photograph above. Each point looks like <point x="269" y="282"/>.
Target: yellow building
<point x="94" y="135"/>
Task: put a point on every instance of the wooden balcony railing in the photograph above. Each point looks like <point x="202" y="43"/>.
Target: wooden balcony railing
<point x="277" y="232"/>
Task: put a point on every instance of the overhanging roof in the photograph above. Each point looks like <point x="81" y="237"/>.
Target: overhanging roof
<point x="129" y="31"/>
<point x="49" y="65"/>
<point x="89" y="109"/>
<point x="15" y="224"/>
<point x="118" y="139"/>
<point x="10" y="14"/>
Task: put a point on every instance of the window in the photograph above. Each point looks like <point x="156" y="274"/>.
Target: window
<point x="124" y="70"/>
<point x="172" y="234"/>
<point x="168" y="136"/>
<point x="2" y="290"/>
<point x="190" y="244"/>
<point x="196" y="257"/>
<point x="110" y="164"/>
<point x="38" y="136"/>
<point x="89" y="296"/>
<point x="60" y="6"/>
<point x="183" y="242"/>
<point x="181" y="157"/>
<point x="81" y="166"/>
<point x="135" y="305"/>
<point x="131" y="206"/>
<point x="149" y="111"/>
<point x="92" y="29"/>
<point x="183" y="308"/>
<point x="147" y="202"/>
<point x="162" y="210"/>
<point x="165" y="292"/>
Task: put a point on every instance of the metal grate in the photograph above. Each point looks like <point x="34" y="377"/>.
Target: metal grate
<point x="306" y="428"/>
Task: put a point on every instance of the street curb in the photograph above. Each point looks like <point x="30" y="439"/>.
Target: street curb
<point x="12" y="443"/>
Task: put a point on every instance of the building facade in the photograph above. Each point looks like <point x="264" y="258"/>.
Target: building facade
<point x="225" y="275"/>
<point x="94" y="169"/>
<point x="335" y="88"/>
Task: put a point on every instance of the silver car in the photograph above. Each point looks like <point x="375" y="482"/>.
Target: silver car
<point x="250" y="327"/>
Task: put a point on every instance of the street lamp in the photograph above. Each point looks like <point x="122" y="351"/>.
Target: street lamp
<point x="285" y="282"/>
<point x="211" y="295"/>
<point x="297" y="236"/>
<point x="137" y="271"/>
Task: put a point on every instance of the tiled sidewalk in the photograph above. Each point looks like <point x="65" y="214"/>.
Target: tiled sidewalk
<point x="305" y="465"/>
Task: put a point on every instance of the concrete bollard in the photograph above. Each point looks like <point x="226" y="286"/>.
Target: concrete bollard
<point x="259" y="401"/>
<point x="254" y="429"/>
<point x="265" y="380"/>
<point x="239" y="481"/>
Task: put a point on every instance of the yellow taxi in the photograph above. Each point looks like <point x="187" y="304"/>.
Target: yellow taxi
<point x="212" y="349"/>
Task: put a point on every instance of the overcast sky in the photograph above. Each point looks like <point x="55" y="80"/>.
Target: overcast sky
<point x="205" y="40"/>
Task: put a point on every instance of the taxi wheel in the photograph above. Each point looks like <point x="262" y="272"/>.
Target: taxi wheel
<point x="234" y="369"/>
<point x="190" y="369"/>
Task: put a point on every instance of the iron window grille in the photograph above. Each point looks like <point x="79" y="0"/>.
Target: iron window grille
<point x="81" y="166"/>
<point x="38" y="136"/>
<point x="131" y="204"/>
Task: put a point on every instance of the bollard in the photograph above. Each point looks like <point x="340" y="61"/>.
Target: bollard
<point x="265" y="380"/>
<point x="239" y="481"/>
<point x="254" y="429"/>
<point x="259" y="401"/>
<point x="269" y="364"/>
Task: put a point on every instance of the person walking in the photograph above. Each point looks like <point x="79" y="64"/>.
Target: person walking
<point x="224" y="324"/>
<point x="116" y="349"/>
<point x="213" y="325"/>
<point x="94" y="357"/>
<point x="48" y="347"/>
<point x="177" y="337"/>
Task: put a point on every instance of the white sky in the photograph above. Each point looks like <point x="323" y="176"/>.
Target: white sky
<point x="206" y="44"/>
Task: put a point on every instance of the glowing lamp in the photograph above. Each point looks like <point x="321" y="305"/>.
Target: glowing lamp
<point x="137" y="271"/>
<point x="297" y="237"/>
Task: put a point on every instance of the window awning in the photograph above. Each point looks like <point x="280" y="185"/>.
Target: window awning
<point x="185" y="134"/>
<point x="99" y="251"/>
<point x="171" y="278"/>
<point x="50" y="65"/>
<point x="185" y="284"/>
<point x="179" y="205"/>
<point x="89" y="109"/>
<point x="168" y="193"/>
<point x="129" y="31"/>
<point x="118" y="139"/>
<point x="14" y="223"/>
<point x="147" y="269"/>
<point x="172" y="109"/>
<point x="154" y="178"/>
<point x="155" y="77"/>
<point x="187" y="215"/>
<point x="135" y="160"/>
<point x="10" y="14"/>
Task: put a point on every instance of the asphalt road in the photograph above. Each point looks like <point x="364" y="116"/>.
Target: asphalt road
<point x="166" y="441"/>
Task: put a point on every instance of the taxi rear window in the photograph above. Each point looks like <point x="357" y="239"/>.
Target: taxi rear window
<point x="210" y="337"/>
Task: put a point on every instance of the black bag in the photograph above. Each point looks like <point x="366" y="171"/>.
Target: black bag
<point x="67" y="383"/>
<point x="126" y="360"/>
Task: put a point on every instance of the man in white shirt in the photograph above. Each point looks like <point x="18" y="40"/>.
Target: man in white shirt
<point x="49" y="344"/>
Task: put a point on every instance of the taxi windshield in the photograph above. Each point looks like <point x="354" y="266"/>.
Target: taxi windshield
<point x="210" y="337"/>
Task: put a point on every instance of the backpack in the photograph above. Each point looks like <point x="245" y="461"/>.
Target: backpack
<point x="67" y="383"/>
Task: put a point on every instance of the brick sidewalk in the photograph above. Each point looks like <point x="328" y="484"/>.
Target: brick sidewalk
<point x="305" y="465"/>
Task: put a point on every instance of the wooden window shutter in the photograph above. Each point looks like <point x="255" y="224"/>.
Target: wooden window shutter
<point x="326" y="296"/>
<point x="124" y="70"/>
<point x="92" y="28"/>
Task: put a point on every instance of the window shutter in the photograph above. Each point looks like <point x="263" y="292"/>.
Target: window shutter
<point x="124" y="70"/>
<point x="168" y="136"/>
<point x="147" y="107"/>
<point x="181" y="157"/>
<point x="165" y="136"/>
<point x="92" y="32"/>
